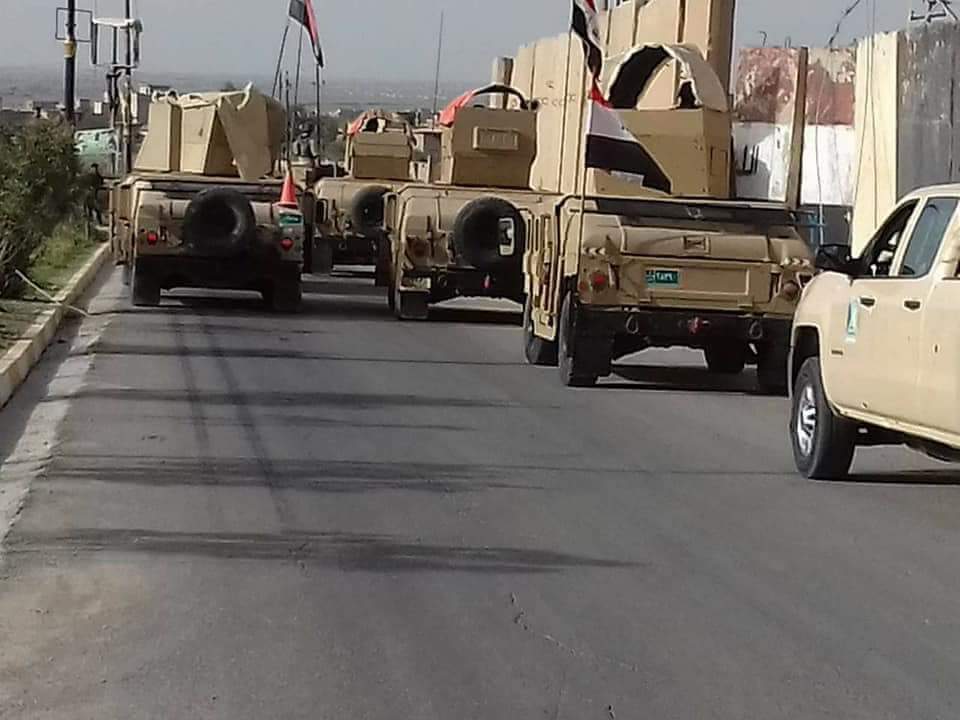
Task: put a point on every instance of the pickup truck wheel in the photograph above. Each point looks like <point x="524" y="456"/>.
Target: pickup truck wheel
<point x="823" y="442"/>
<point x="726" y="358"/>
<point x="144" y="289"/>
<point x="772" y="368"/>
<point x="571" y="374"/>
<point x="536" y="350"/>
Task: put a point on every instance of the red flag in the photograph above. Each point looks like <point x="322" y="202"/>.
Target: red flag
<point x="302" y="12"/>
<point x="613" y="148"/>
<point x="586" y="24"/>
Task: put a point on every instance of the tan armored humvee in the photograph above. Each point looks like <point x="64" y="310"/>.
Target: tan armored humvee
<point x="626" y="268"/>
<point x="200" y="208"/>
<point x="876" y="346"/>
<point x="465" y="235"/>
<point x="348" y="219"/>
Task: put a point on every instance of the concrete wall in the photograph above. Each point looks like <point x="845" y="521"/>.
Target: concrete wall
<point x="876" y="134"/>
<point x="552" y="71"/>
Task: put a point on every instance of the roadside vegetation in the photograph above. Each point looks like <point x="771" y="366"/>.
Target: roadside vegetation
<point x="43" y="229"/>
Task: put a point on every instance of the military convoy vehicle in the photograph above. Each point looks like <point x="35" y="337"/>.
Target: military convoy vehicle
<point x="201" y="207"/>
<point x="624" y="267"/>
<point x="465" y="235"/>
<point x="348" y="214"/>
<point x="875" y="344"/>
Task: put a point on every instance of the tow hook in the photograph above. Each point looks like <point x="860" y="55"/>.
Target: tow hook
<point x="755" y="331"/>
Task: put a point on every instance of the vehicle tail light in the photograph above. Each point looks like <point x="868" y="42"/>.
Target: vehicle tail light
<point x="599" y="281"/>
<point x="152" y="238"/>
<point x="287" y="244"/>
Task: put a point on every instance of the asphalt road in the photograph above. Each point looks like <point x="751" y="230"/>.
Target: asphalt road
<point x="341" y="516"/>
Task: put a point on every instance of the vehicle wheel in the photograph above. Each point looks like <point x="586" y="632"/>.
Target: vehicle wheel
<point x="412" y="305"/>
<point x="392" y="296"/>
<point x="323" y="257"/>
<point x="284" y="295"/>
<point x="726" y="358"/>
<point x="536" y="350"/>
<point x="772" y="368"/>
<point x="570" y="374"/>
<point x="144" y="289"/>
<point x="823" y="442"/>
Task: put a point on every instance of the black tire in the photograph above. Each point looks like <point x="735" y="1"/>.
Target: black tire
<point x="392" y="296"/>
<point x="726" y="358"/>
<point x="384" y="268"/>
<point x="823" y="442"/>
<point x="366" y="211"/>
<point x="772" y="368"/>
<point x="571" y="374"/>
<point x="477" y="234"/>
<point x="144" y="289"/>
<point x="536" y="350"/>
<point x="283" y="293"/>
<point x="219" y="221"/>
<point x="412" y="306"/>
<point x="323" y="257"/>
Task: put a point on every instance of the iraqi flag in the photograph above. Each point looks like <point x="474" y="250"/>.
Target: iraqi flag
<point x="302" y="12"/>
<point x="611" y="147"/>
<point x="586" y="24"/>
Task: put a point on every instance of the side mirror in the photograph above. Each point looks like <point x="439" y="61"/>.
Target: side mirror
<point x="834" y="258"/>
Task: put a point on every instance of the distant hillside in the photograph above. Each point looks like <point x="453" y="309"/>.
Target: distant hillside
<point x="46" y="84"/>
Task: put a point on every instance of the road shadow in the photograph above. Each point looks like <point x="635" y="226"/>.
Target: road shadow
<point x="333" y="287"/>
<point x="143" y="350"/>
<point x="350" y="552"/>
<point x="318" y="476"/>
<point x="470" y="316"/>
<point x="268" y="399"/>
<point x="681" y="378"/>
<point x="908" y="478"/>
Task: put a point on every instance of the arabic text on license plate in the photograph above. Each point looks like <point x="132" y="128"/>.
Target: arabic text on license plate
<point x="663" y="278"/>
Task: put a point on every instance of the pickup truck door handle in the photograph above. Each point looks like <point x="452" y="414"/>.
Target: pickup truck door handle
<point x="912" y="304"/>
<point x="867" y="301"/>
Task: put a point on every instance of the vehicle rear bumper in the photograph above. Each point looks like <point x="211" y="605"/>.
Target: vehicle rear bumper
<point x="445" y="283"/>
<point x="683" y="327"/>
<point x="231" y="273"/>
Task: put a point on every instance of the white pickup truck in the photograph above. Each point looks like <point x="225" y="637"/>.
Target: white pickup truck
<point x="875" y="354"/>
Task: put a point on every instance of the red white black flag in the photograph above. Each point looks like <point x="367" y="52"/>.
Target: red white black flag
<point x="302" y="12"/>
<point x="586" y="24"/>
<point x="613" y="148"/>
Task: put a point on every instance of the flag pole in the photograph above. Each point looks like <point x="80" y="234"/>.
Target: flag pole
<point x="276" y="75"/>
<point x="563" y="122"/>
<point x="581" y="145"/>
<point x="296" y="88"/>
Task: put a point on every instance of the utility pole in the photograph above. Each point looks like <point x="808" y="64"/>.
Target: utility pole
<point x="128" y="61"/>
<point x="70" y="64"/>
<point x="436" y="79"/>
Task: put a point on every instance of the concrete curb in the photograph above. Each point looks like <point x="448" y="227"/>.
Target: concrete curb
<point x="17" y="362"/>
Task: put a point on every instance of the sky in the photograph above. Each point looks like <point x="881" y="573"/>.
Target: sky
<point x="387" y="39"/>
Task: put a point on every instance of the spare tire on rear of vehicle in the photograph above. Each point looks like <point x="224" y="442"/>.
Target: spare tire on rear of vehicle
<point x="366" y="212"/>
<point x="219" y="221"/>
<point x="489" y="233"/>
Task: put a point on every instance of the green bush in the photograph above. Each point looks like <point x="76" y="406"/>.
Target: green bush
<point x="40" y="186"/>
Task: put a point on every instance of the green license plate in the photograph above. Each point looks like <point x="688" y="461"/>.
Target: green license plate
<point x="663" y="278"/>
